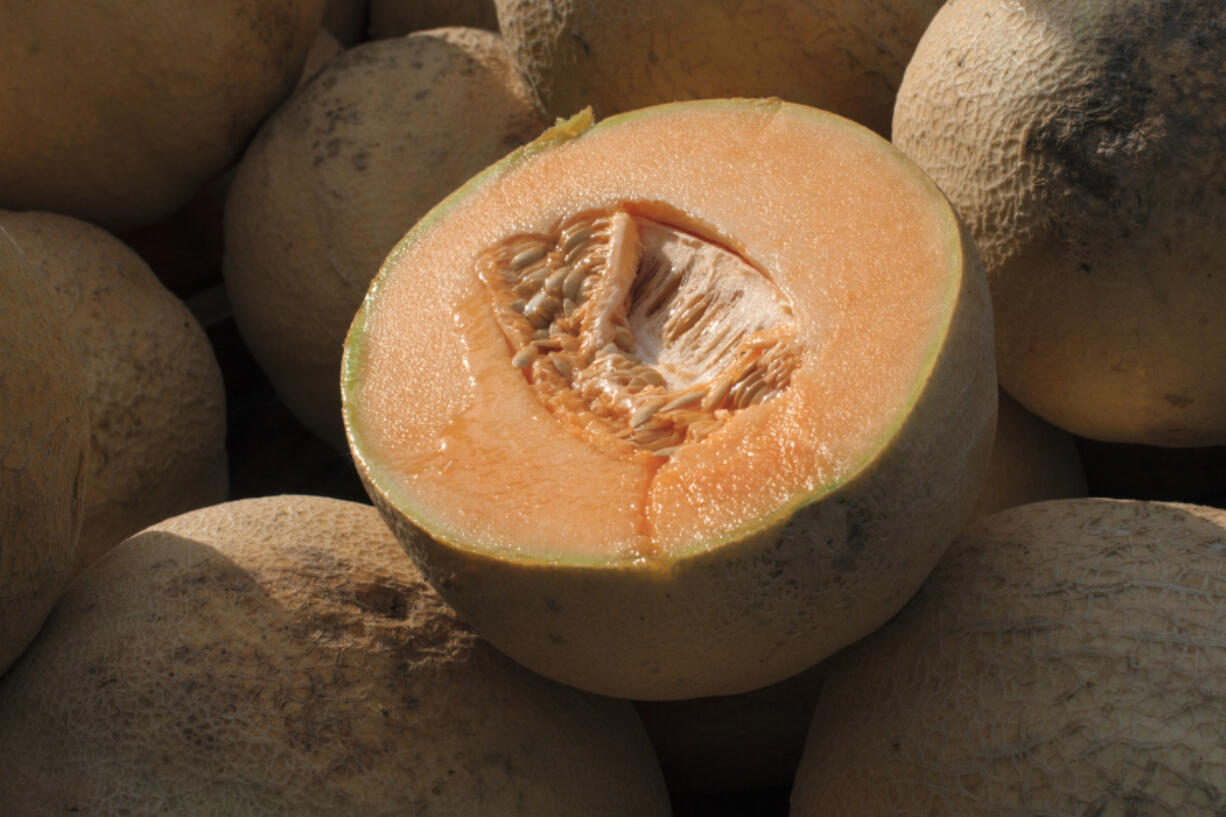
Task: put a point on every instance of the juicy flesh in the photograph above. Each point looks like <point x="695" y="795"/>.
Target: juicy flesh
<point x="852" y="259"/>
<point x="637" y="334"/>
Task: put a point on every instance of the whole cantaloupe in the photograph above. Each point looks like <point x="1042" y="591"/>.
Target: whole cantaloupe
<point x="157" y="403"/>
<point x="335" y="179"/>
<point x="281" y="656"/>
<point x="845" y="56"/>
<point x="1064" y="658"/>
<point x="1083" y="144"/>
<point x="116" y="112"/>
<point x="44" y="440"/>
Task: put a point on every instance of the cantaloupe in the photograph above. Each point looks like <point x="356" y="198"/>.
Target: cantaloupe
<point x="157" y="443"/>
<point x="1064" y="658"/>
<point x="281" y="656"/>
<point x="116" y="112"/>
<point x="846" y="56"/>
<point x="44" y="442"/>
<point x="1083" y="144"/>
<point x="338" y="175"/>
<point x="680" y="403"/>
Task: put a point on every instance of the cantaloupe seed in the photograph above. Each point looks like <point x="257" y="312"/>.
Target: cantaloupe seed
<point x="639" y="334"/>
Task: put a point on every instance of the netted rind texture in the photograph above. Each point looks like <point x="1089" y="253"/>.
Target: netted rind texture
<point x="338" y="175"/>
<point x="1082" y="144"/>
<point x="1065" y="658"/>
<point x="281" y="656"/>
<point x="157" y="402"/>
<point x="44" y="441"/>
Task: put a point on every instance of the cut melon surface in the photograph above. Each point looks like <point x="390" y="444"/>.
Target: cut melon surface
<point x="632" y="346"/>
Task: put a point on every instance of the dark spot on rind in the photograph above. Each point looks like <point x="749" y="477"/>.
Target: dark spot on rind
<point x="1088" y="137"/>
<point x="1129" y="117"/>
<point x="857" y="520"/>
<point x="587" y="48"/>
<point x="383" y="599"/>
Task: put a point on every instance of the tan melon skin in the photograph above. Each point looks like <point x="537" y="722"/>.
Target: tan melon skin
<point x="116" y="112"/>
<point x="44" y="442"/>
<point x="744" y="614"/>
<point x="157" y="402"/>
<point x="1082" y="143"/>
<point x="845" y="56"/>
<point x="334" y="180"/>
<point x="281" y="656"/>
<point x="1065" y="658"/>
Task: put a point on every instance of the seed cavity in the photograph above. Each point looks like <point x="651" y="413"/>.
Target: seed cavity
<point x="649" y="336"/>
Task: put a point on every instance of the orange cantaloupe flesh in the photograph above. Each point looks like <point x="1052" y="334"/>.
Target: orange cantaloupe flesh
<point x="847" y="231"/>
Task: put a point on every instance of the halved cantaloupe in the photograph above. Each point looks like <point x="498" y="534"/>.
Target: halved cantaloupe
<point x="680" y="403"/>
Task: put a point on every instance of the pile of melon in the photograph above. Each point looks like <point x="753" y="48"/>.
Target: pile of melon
<point x="579" y="407"/>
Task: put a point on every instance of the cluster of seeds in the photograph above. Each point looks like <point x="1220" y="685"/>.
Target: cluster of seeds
<point x="631" y="328"/>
